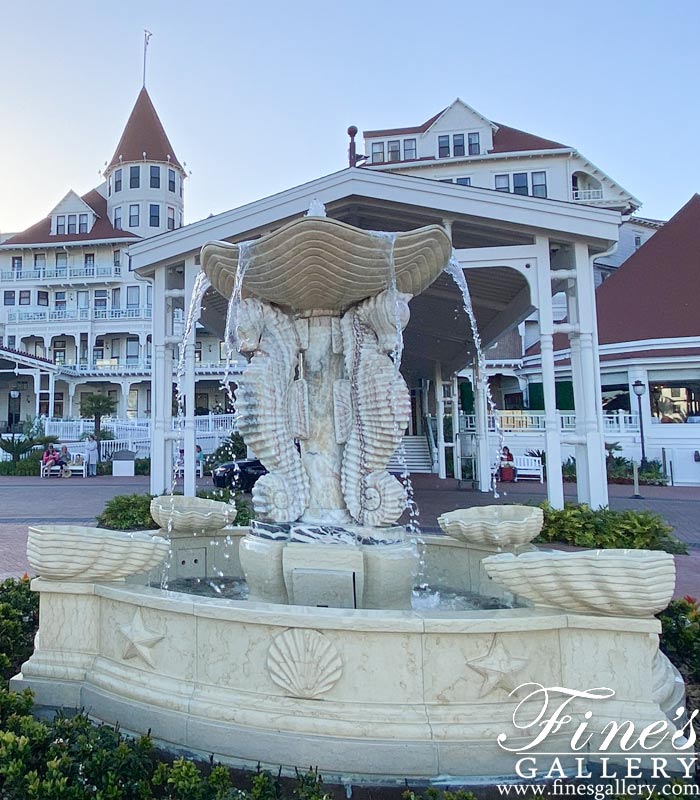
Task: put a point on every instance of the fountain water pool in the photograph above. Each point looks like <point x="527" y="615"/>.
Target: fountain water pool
<point x="384" y="692"/>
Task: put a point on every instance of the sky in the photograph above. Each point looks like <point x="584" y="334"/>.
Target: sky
<point x="256" y="97"/>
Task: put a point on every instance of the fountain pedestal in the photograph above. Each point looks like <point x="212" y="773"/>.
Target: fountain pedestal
<point x="330" y="575"/>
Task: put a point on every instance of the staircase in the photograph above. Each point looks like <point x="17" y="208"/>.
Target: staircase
<point x="418" y="456"/>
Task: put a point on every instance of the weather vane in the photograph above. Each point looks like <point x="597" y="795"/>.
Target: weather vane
<point x="146" y="38"/>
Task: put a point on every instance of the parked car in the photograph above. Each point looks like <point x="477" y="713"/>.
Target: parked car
<point x="250" y="469"/>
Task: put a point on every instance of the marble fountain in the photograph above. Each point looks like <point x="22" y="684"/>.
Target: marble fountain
<point x="326" y="653"/>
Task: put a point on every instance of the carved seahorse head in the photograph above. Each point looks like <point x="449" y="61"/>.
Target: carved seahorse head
<point x="250" y="324"/>
<point x="381" y="313"/>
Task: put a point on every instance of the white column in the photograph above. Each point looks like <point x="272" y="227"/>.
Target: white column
<point x="52" y="392"/>
<point x="190" y="433"/>
<point x="161" y="389"/>
<point x="481" y="424"/>
<point x="440" y="419"/>
<point x="36" y="376"/>
<point x="71" y="395"/>
<point x="594" y="490"/>
<point x="577" y="380"/>
<point x="552" y="434"/>
<point x="456" y="450"/>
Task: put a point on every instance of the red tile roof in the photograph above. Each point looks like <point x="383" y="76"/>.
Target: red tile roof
<point x="505" y="139"/>
<point x="403" y="131"/>
<point x="510" y="140"/>
<point x="654" y="294"/>
<point x="40" y="233"/>
<point x="144" y="133"/>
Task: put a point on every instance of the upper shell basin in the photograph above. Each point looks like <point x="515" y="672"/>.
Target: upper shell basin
<point x="180" y="513"/>
<point x="628" y="583"/>
<point x="76" y="553"/>
<point x="495" y="526"/>
<point x="318" y="262"/>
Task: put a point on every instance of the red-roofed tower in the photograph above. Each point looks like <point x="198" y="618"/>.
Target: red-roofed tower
<point x="145" y="180"/>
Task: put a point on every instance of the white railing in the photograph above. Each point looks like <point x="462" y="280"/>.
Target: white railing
<point x="70" y="430"/>
<point x="586" y="194"/>
<point x="49" y="273"/>
<point x="63" y="314"/>
<point x="532" y="422"/>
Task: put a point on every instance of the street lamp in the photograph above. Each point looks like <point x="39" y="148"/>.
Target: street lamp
<point x="639" y="389"/>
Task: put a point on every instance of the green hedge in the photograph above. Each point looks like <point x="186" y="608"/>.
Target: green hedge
<point x="582" y="526"/>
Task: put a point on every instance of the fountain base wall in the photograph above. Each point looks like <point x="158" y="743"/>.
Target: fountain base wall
<point x="363" y="695"/>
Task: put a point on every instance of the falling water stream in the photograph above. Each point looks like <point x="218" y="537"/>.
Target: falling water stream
<point x="455" y="271"/>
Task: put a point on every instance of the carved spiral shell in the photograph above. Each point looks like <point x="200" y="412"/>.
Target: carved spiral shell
<point x="275" y="500"/>
<point x="304" y="662"/>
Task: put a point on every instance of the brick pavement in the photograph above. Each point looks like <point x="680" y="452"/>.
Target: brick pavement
<point x="27" y="500"/>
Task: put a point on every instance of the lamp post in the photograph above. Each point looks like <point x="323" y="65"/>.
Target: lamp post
<point x="639" y="389"/>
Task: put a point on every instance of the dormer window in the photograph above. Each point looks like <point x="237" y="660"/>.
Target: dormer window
<point x="443" y="146"/>
<point x="474" y="146"/>
<point x="118" y="180"/>
<point x="377" y="152"/>
<point x="409" y="149"/>
<point x="394" y="150"/>
<point x="458" y="144"/>
<point x="83" y="223"/>
<point x="72" y="223"/>
<point x="60" y="225"/>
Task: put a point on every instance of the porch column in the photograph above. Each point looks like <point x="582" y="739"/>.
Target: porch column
<point x="188" y="388"/>
<point x="481" y="425"/>
<point x="71" y="395"/>
<point x="552" y="434"/>
<point x="161" y="389"/>
<point x="440" y="420"/>
<point x="52" y="393"/>
<point x="577" y="380"/>
<point x="36" y="376"/>
<point x="457" y="449"/>
<point x="594" y="489"/>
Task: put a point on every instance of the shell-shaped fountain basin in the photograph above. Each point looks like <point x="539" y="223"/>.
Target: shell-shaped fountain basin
<point x="630" y="583"/>
<point x="76" y="553"/>
<point x="505" y="527"/>
<point x="317" y="262"/>
<point x="188" y="514"/>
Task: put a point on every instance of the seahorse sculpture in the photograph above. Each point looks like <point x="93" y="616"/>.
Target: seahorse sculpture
<point x="380" y="408"/>
<point x="262" y="409"/>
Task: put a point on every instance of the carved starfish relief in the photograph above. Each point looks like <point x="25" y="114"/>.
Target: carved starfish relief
<point x="499" y="668"/>
<point x="140" y="639"/>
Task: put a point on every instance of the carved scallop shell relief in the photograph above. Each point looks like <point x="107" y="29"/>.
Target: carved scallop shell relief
<point x="304" y="662"/>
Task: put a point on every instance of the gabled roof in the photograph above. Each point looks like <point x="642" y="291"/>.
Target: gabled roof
<point x="40" y="233"/>
<point x="144" y="133"/>
<point x="510" y="140"/>
<point x="71" y="203"/>
<point x="654" y="294"/>
<point x="505" y="138"/>
<point x="402" y="131"/>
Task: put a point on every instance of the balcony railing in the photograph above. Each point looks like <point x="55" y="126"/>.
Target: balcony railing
<point x="110" y="366"/>
<point x="62" y="273"/>
<point x="584" y="195"/>
<point x="534" y="422"/>
<point x="63" y="314"/>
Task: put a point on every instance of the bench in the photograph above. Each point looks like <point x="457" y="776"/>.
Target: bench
<point x="56" y="471"/>
<point x="528" y="467"/>
<point x="179" y="470"/>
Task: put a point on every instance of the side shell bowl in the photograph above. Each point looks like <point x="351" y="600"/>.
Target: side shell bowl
<point x="191" y="513"/>
<point x="495" y="526"/>
<point x="629" y="583"/>
<point x="76" y="553"/>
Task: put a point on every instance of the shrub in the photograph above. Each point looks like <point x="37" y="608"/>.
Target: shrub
<point x="582" y="526"/>
<point x="142" y="466"/>
<point x="19" y="620"/>
<point x="104" y="467"/>
<point x="245" y="513"/>
<point x="680" y="636"/>
<point x="127" y="512"/>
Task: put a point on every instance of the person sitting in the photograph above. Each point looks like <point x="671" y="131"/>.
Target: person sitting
<point x="507" y="468"/>
<point x="49" y="459"/>
<point x="64" y="457"/>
